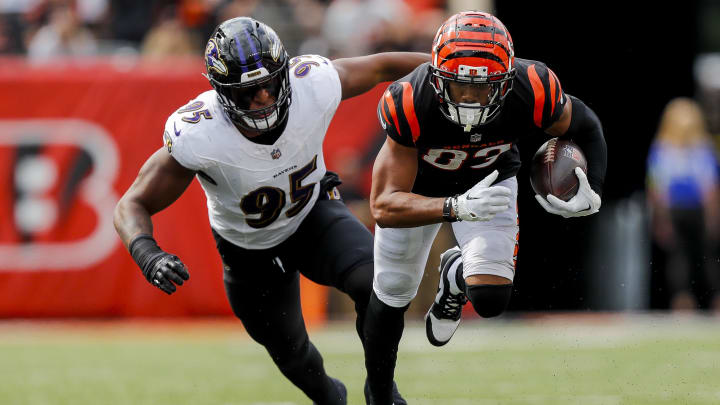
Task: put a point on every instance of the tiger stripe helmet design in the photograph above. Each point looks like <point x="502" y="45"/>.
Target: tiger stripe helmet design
<point x="472" y="48"/>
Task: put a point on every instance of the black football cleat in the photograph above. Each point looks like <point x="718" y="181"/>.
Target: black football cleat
<point x="397" y="398"/>
<point x="443" y="317"/>
<point x="342" y="391"/>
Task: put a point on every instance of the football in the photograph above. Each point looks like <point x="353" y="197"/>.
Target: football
<point x="553" y="168"/>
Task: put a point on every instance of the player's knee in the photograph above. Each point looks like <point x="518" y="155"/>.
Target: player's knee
<point x="395" y="289"/>
<point x="489" y="300"/>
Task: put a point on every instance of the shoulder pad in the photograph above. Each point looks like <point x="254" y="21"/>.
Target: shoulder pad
<point x="401" y="105"/>
<point x="540" y="89"/>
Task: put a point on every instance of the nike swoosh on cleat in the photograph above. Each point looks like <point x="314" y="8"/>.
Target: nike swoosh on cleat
<point x="177" y="133"/>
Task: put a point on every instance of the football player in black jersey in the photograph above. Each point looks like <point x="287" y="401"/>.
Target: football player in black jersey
<point x="451" y="155"/>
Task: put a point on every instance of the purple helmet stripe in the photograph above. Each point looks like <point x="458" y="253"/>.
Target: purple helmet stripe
<point x="256" y="56"/>
<point x="241" y="54"/>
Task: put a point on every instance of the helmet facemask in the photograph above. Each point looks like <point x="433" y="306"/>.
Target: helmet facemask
<point x="237" y="97"/>
<point x="490" y="92"/>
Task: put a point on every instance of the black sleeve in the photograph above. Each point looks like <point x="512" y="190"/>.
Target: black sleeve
<point x="586" y="130"/>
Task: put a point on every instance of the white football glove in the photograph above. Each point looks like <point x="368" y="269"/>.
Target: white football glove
<point x="585" y="202"/>
<point x="482" y="201"/>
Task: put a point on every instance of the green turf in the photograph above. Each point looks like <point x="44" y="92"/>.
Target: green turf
<point x="591" y="361"/>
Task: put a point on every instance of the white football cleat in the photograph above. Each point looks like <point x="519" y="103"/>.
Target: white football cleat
<point x="443" y="317"/>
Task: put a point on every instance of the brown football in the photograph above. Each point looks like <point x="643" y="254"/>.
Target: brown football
<point x="553" y="168"/>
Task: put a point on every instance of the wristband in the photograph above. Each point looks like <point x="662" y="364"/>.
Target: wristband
<point x="447" y="213"/>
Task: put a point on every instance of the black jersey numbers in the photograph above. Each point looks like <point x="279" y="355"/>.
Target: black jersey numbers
<point x="266" y="201"/>
<point x="269" y="201"/>
<point x="454" y="159"/>
<point x="300" y="195"/>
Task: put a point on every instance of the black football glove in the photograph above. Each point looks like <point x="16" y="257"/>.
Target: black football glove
<point x="161" y="269"/>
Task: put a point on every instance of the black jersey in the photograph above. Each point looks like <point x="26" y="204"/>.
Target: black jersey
<point x="450" y="160"/>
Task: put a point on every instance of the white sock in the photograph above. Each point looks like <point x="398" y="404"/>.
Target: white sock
<point x="452" y="277"/>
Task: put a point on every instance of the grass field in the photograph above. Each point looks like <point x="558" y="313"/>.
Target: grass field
<point x="558" y="359"/>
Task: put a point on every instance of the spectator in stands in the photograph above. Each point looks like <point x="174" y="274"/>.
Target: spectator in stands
<point x="683" y="197"/>
<point x="353" y="27"/>
<point x="170" y="37"/>
<point x="63" y="35"/>
<point x="11" y="34"/>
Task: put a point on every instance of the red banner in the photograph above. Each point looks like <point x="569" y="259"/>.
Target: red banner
<point x="72" y="139"/>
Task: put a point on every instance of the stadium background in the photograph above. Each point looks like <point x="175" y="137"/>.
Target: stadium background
<point x="58" y="257"/>
<point x="589" y="320"/>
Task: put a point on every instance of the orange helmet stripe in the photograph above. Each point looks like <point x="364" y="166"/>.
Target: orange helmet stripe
<point x="539" y="93"/>
<point x="491" y="62"/>
<point x="409" y="110"/>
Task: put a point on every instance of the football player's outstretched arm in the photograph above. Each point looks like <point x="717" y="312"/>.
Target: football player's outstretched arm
<point x="161" y="181"/>
<point x="362" y="73"/>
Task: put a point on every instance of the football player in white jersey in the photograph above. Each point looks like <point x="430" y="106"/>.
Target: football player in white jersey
<point x="254" y="143"/>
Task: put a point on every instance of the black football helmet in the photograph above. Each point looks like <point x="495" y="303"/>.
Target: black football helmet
<point x="243" y="56"/>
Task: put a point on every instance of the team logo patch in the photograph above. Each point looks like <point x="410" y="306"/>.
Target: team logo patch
<point x="212" y="58"/>
<point x="168" y="141"/>
<point x="276" y="153"/>
<point x="572" y="153"/>
<point x="475" y="137"/>
<point x="465" y="70"/>
<point x="275" y="46"/>
<point x="275" y="50"/>
<point x="333" y="194"/>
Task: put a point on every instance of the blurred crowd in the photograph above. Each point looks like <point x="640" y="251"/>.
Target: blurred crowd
<point x="46" y="29"/>
<point x="683" y="194"/>
<point x="683" y="187"/>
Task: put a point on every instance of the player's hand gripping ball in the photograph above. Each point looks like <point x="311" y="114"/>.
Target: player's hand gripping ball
<point x="553" y="169"/>
<point x="559" y="177"/>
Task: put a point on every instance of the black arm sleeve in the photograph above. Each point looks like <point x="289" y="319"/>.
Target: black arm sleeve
<point x="586" y="130"/>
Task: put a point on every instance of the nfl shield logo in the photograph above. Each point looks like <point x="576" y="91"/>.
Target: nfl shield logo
<point x="475" y="137"/>
<point x="275" y="153"/>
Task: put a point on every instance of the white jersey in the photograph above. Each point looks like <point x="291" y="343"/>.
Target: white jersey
<point x="257" y="195"/>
